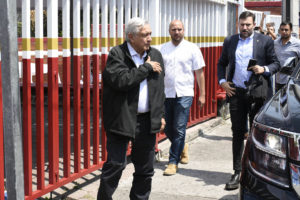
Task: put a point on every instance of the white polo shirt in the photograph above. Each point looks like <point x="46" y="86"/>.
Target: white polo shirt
<point x="180" y="63"/>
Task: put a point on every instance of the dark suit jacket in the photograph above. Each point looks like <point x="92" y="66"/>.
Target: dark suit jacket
<point x="263" y="52"/>
<point x="121" y="83"/>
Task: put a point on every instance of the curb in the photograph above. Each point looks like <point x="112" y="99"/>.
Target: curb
<point x="191" y="134"/>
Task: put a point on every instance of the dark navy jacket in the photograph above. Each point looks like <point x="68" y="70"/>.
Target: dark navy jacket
<point x="263" y="52"/>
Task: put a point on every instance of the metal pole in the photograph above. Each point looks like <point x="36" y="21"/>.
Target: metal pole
<point x="11" y="101"/>
<point x="294" y="15"/>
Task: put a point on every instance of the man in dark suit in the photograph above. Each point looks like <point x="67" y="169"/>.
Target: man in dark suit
<point x="133" y="109"/>
<point x="237" y="51"/>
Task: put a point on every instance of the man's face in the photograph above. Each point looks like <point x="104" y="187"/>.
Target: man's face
<point x="141" y="41"/>
<point x="246" y="27"/>
<point x="176" y="31"/>
<point x="285" y="31"/>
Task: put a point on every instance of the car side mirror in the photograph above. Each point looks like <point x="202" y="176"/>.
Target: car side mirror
<point x="289" y="65"/>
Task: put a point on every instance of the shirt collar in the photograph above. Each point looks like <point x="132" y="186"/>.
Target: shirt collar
<point x="133" y="52"/>
<point x="291" y="40"/>
<point x="182" y="42"/>
<point x="250" y="38"/>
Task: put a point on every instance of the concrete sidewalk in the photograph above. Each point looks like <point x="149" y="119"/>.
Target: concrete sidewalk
<point x="203" y="178"/>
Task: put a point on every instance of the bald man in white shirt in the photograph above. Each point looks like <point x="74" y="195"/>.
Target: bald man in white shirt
<point x="181" y="59"/>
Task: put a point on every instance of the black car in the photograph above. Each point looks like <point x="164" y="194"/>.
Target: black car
<point x="271" y="160"/>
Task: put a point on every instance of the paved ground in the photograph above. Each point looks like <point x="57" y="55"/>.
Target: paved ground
<point x="202" y="179"/>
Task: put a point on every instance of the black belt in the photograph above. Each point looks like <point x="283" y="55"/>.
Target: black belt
<point x="142" y="114"/>
<point x="238" y="89"/>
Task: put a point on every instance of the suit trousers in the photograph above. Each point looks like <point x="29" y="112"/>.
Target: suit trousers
<point x="142" y="156"/>
<point x="240" y="106"/>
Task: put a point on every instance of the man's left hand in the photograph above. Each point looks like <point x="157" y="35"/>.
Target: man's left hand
<point x="257" y="69"/>
<point x="163" y="124"/>
<point x="201" y="101"/>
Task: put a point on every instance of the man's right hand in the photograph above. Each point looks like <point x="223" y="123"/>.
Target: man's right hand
<point x="230" y="91"/>
<point x="155" y="65"/>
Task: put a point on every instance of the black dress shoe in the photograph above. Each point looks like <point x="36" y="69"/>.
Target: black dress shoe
<point x="234" y="182"/>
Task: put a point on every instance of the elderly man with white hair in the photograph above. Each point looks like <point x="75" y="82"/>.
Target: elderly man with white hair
<point x="133" y="109"/>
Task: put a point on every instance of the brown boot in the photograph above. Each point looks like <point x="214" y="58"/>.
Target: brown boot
<point x="170" y="170"/>
<point x="184" y="158"/>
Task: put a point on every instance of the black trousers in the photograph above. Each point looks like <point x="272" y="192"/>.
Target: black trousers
<point x="143" y="152"/>
<point x="240" y="107"/>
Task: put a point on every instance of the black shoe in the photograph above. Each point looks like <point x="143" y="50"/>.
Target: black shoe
<point x="234" y="182"/>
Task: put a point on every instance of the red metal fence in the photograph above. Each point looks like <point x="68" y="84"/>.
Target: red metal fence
<point x="47" y="167"/>
<point x="63" y="136"/>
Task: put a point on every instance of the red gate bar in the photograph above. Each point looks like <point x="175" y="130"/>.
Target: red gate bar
<point x="53" y="119"/>
<point x="77" y="122"/>
<point x="66" y="109"/>
<point x="103" y="135"/>
<point x="96" y="108"/>
<point x="27" y="142"/>
<point x="40" y="123"/>
<point x="86" y="109"/>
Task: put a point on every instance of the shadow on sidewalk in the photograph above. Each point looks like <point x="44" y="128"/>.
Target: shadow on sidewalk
<point x="216" y="137"/>
<point x="76" y="186"/>
<point x="208" y="177"/>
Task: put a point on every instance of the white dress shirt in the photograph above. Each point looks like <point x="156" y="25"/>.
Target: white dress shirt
<point x="143" y="105"/>
<point x="180" y="63"/>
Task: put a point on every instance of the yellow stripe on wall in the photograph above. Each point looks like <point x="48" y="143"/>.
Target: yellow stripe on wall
<point x="26" y="44"/>
<point x="104" y="42"/>
<point x="156" y="41"/>
<point x="86" y="42"/>
<point x="96" y="42"/>
<point x="76" y="43"/>
<point x="66" y="43"/>
<point x="53" y="43"/>
<point x="120" y="40"/>
<point x="39" y="44"/>
<point x="112" y="42"/>
<point x="203" y="39"/>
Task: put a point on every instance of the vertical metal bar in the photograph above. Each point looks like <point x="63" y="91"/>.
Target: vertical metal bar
<point x="194" y="24"/>
<point x="177" y="14"/>
<point x="134" y="8"/>
<point x="147" y="10"/>
<point x="53" y="116"/>
<point x="190" y="20"/>
<point x="153" y="21"/>
<point x="104" y="51"/>
<point x="11" y="102"/>
<point x="112" y="25"/>
<point x="86" y="82"/>
<point x="39" y="64"/>
<point x="120" y="21"/>
<point x="77" y="75"/>
<point x="164" y="25"/>
<point x="1" y="139"/>
<point x="66" y="87"/>
<point x="26" y="93"/>
<point x="127" y="10"/>
<point x="142" y="9"/>
<point x="186" y="16"/>
<point x="96" y="63"/>
<point x="173" y="8"/>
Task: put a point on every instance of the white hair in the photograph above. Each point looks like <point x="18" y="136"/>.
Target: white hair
<point x="134" y="26"/>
